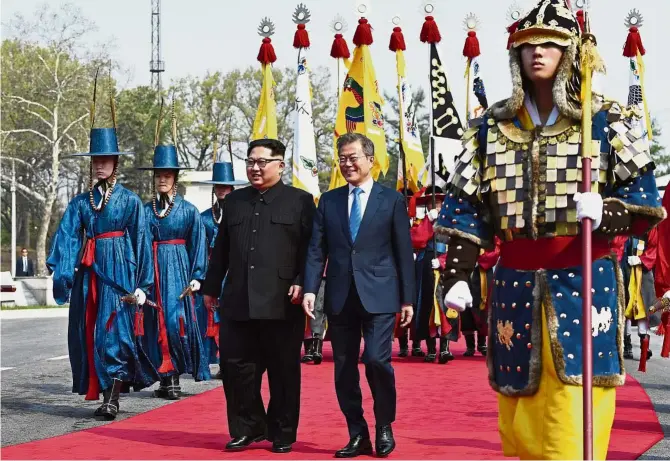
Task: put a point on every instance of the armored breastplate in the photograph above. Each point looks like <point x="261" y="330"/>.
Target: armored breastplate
<point x="530" y="178"/>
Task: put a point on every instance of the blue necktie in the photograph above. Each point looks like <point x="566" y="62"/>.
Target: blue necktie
<point x="356" y="215"/>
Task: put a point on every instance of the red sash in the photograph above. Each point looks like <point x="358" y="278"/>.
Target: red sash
<point x="87" y="260"/>
<point x="166" y="364"/>
<point x="550" y="253"/>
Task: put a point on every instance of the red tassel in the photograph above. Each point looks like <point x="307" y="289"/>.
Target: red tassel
<point x="471" y="48"/>
<point x="339" y="50"/>
<point x="266" y="55"/>
<point x="363" y="34"/>
<point x="429" y="31"/>
<point x="136" y="326"/>
<point x="301" y="37"/>
<point x="633" y="44"/>
<point x="182" y="330"/>
<point x="581" y="20"/>
<point x="644" y="348"/>
<point x="411" y="208"/>
<point x="511" y="30"/>
<point x="397" y="40"/>
<point x="110" y="321"/>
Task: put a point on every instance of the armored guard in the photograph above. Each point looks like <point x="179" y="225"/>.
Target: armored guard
<point x="519" y="178"/>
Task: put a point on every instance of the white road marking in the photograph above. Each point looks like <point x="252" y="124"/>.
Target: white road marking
<point x="60" y="357"/>
<point x="6" y="368"/>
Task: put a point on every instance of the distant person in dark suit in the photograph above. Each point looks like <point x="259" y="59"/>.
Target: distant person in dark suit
<point x="362" y="230"/>
<point x="25" y="266"/>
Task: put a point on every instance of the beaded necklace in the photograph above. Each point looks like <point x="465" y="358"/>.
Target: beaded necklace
<point x="111" y="182"/>
<point x="154" y="200"/>
<point x="216" y="207"/>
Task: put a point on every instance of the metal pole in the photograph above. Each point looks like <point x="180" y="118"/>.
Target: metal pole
<point x="13" y="190"/>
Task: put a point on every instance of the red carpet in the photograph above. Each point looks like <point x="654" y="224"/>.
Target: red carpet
<point x="444" y="412"/>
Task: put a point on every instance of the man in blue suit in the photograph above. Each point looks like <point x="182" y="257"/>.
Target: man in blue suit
<point x="362" y="230"/>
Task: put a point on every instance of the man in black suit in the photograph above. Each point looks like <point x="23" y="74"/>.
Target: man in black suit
<point x="362" y="229"/>
<point x="261" y="245"/>
<point x="24" y="266"/>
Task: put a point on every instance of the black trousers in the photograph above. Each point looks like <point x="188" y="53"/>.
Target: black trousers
<point x="247" y="350"/>
<point x="345" y="330"/>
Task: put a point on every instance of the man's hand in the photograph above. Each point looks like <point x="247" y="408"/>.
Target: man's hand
<point x="459" y="297"/>
<point x="634" y="261"/>
<point x="295" y="292"/>
<point x="195" y="285"/>
<point x="211" y="302"/>
<point x="308" y="305"/>
<point x="589" y="205"/>
<point x="140" y="296"/>
<point x="406" y="314"/>
<point x="432" y="215"/>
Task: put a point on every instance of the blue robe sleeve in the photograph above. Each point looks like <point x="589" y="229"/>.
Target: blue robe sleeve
<point x="197" y="247"/>
<point x="141" y="243"/>
<point x="65" y="247"/>
<point x="632" y="182"/>
<point x="464" y="210"/>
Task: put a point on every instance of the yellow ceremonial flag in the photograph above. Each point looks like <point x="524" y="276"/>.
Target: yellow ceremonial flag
<point x="409" y="131"/>
<point x="265" y="123"/>
<point x="360" y="111"/>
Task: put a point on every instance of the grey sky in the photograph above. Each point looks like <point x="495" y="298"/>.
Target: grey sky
<point x="210" y="35"/>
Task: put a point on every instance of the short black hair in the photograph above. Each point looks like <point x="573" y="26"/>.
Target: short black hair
<point x="277" y="148"/>
<point x="349" y="138"/>
<point x="24" y="248"/>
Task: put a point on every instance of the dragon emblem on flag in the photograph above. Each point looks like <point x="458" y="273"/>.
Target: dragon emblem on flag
<point x="309" y="165"/>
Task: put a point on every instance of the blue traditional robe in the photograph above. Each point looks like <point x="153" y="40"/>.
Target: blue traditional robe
<point x="180" y="255"/>
<point x="209" y="322"/>
<point x="118" y="260"/>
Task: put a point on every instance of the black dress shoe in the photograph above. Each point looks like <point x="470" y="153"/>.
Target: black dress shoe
<point x="357" y="446"/>
<point x="384" y="441"/>
<point x="278" y="447"/>
<point x="243" y="442"/>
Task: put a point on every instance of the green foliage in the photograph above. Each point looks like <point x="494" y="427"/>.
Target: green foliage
<point x="658" y="152"/>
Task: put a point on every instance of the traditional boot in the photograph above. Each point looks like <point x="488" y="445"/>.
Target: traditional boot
<point x="469" y="344"/>
<point x="627" y="347"/>
<point x="110" y="404"/>
<point x="403" y="340"/>
<point x="445" y="353"/>
<point x="416" y="349"/>
<point x="481" y="344"/>
<point x="169" y="388"/>
<point x="309" y="351"/>
<point x="318" y="351"/>
<point x="432" y="352"/>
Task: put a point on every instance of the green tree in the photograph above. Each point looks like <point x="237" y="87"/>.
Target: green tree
<point x="47" y="73"/>
<point x="658" y="152"/>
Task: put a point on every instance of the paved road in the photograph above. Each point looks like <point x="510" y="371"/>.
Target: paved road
<point x="37" y="401"/>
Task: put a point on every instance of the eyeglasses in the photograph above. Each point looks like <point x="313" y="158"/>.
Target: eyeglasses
<point x="353" y="159"/>
<point x="261" y="162"/>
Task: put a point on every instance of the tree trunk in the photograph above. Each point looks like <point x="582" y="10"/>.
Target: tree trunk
<point x="41" y="249"/>
<point x="25" y="227"/>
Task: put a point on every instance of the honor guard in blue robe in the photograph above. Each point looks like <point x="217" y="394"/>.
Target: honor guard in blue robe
<point x="519" y="178"/>
<point x="177" y="235"/>
<point x="223" y="182"/>
<point x="101" y="253"/>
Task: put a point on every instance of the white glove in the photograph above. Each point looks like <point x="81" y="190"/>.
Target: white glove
<point x="667" y="295"/>
<point x="459" y="297"/>
<point x="634" y="261"/>
<point x="195" y="285"/>
<point x="414" y="254"/>
<point x="140" y="296"/>
<point x="432" y="215"/>
<point x="589" y="205"/>
<point x="435" y="263"/>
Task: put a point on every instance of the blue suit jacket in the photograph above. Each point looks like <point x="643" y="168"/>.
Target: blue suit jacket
<point x="380" y="260"/>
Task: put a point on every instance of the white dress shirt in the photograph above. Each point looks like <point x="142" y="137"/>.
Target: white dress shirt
<point x="366" y="187"/>
<point x="25" y="263"/>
